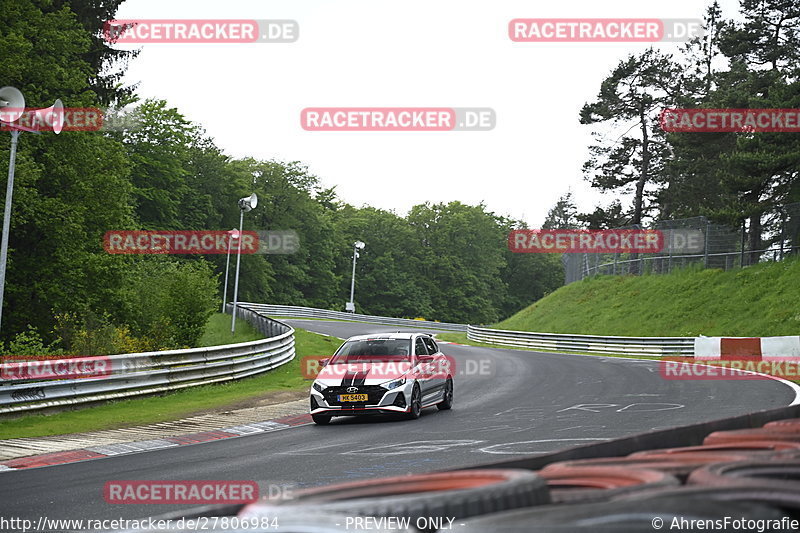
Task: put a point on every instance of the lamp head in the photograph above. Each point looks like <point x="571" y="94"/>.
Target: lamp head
<point x="12" y="104"/>
<point x="248" y="203"/>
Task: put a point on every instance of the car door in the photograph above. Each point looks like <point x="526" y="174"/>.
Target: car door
<point x="424" y="367"/>
<point x="439" y="366"/>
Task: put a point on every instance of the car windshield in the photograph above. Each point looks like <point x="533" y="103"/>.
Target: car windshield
<point x="373" y="351"/>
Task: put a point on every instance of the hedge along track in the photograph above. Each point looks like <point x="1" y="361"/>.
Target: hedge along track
<point x="458" y="494"/>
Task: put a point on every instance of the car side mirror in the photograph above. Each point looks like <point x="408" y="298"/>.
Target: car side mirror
<point x="324" y="362"/>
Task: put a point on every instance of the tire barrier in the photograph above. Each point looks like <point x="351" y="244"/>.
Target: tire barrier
<point x="766" y="474"/>
<point x="749" y="447"/>
<point x="677" y="465"/>
<point x="759" y="434"/>
<point x="457" y="494"/>
<point x="588" y="483"/>
<point x="787" y="500"/>
<point x="787" y="423"/>
<point x="629" y="516"/>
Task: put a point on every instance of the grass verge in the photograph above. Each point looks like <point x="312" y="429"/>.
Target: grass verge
<point x="176" y="405"/>
<point x="758" y="301"/>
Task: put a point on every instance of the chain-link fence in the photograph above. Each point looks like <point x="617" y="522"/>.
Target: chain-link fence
<point x="722" y="246"/>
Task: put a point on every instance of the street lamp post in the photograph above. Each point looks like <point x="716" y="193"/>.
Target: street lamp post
<point x="232" y="234"/>
<point x="351" y="306"/>
<point x="245" y="204"/>
<point x="12" y="106"/>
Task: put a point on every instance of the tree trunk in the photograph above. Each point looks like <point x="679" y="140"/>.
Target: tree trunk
<point x="644" y="171"/>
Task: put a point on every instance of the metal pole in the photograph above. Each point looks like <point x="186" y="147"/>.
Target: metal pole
<point x="741" y="257"/>
<point x="705" y="251"/>
<point x="7" y="217"/>
<point x="236" y="282"/>
<point x="353" y="279"/>
<point x="227" y="263"/>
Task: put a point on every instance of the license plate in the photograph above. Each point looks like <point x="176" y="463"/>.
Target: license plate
<point x="353" y="397"/>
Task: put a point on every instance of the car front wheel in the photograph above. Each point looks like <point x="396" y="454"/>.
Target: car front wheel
<point x="447" y="400"/>
<point x="415" y="405"/>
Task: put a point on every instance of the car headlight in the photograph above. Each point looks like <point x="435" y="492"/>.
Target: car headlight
<point x="318" y="387"/>
<point x="396" y="383"/>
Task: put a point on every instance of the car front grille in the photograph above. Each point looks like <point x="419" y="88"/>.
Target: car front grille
<point x="374" y="392"/>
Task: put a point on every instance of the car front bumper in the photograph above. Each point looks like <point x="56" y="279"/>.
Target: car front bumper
<point x="396" y="400"/>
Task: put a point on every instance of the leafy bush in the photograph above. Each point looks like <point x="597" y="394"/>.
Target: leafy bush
<point x="29" y="342"/>
<point x="169" y="301"/>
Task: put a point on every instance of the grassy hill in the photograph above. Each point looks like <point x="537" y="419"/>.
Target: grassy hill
<point x="761" y="300"/>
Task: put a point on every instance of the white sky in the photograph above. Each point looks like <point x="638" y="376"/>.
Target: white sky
<point x="414" y="53"/>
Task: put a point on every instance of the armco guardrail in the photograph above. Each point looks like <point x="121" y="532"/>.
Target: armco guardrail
<point x="135" y="374"/>
<point x="658" y="346"/>
<point x="311" y="312"/>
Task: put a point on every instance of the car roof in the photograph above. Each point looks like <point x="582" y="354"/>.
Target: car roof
<point x="396" y="335"/>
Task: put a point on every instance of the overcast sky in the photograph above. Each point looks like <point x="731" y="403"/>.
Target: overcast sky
<point x="414" y="53"/>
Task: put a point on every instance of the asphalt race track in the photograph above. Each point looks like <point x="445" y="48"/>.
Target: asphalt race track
<point x="507" y="404"/>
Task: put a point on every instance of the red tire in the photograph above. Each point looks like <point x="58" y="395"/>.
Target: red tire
<point x="572" y="484"/>
<point x="787" y="499"/>
<point x="457" y="494"/>
<point x="617" y="516"/>
<point x="678" y="465"/>
<point x="749" y="447"/>
<point x="775" y="474"/>
<point x="785" y="424"/>
<point x="760" y="434"/>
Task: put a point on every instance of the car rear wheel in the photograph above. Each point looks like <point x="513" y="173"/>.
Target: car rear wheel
<point x="447" y="400"/>
<point x="415" y="405"/>
<point x="322" y="420"/>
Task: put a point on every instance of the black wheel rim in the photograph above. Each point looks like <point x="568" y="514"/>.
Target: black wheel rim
<point x="448" y="393"/>
<point x="416" y="402"/>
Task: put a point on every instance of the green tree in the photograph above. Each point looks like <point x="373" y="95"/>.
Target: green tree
<point x="630" y="99"/>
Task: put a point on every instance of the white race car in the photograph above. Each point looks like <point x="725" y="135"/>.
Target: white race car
<point x="383" y="373"/>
